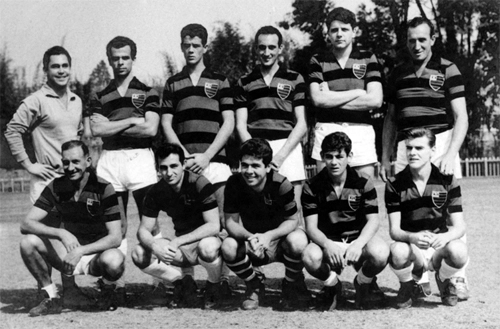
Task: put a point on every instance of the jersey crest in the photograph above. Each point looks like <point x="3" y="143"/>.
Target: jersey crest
<point x="436" y="81"/>
<point x="354" y="201"/>
<point x="138" y="100"/>
<point x="359" y="70"/>
<point x="283" y="90"/>
<point x="93" y="206"/>
<point x="211" y="89"/>
<point x="439" y="198"/>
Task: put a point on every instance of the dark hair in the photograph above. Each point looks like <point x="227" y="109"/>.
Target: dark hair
<point x="269" y="30"/>
<point x="169" y="148"/>
<point x="56" y="50"/>
<point x="195" y="30"/>
<point x="73" y="144"/>
<point x="258" y="148"/>
<point x="120" y="42"/>
<point x="336" y="141"/>
<point x="422" y="132"/>
<point x="422" y="20"/>
<point x="342" y="15"/>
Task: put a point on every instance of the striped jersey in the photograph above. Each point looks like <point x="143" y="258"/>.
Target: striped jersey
<point x="86" y="217"/>
<point x="340" y="217"/>
<point x="197" y="110"/>
<point x="270" y="108"/>
<point x="260" y="211"/>
<point x="138" y="100"/>
<point x="185" y="207"/>
<point x="427" y="212"/>
<point x="425" y="101"/>
<point x="361" y="68"/>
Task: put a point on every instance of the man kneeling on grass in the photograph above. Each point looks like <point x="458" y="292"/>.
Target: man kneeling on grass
<point x="341" y="215"/>
<point x="190" y="200"/>
<point x="420" y="201"/>
<point x="88" y="243"/>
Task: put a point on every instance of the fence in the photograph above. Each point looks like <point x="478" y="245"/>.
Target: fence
<point x="471" y="167"/>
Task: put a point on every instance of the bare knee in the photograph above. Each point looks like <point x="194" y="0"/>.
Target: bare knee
<point x="378" y="252"/>
<point x="112" y="263"/>
<point x="139" y="257"/>
<point x="209" y="249"/>
<point x="457" y="253"/>
<point x="312" y="257"/>
<point x="229" y="249"/>
<point x="400" y="254"/>
<point x="296" y="242"/>
<point x="29" y="243"/>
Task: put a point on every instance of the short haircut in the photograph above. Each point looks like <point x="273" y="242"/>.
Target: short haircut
<point x="73" y="144"/>
<point x="336" y="141"/>
<point x="56" y="50"/>
<point x="342" y="15"/>
<point x="422" y="132"/>
<point x="169" y="148"/>
<point x="120" y="42"/>
<point x="419" y="20"/>
<point x="269" y="30"/>
<point x="258" y="148"/>
<point x="195" y="30"/>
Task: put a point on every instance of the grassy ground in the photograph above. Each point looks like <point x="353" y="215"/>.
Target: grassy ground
<point x="18" y="288"/>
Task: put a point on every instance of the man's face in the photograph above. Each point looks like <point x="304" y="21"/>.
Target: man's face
<point x="268" y="49"/>
<point x="121" y="61"/>
<point x="420" y="42"/>
<point x="75" y="163"/>
<point x="341" y="34"/>
<point x="58" y="71"/>
<point x="254" y="171"/>
<point x="418" y="152"/>
<point x="193" y="50"/>
<point x="171" y="170"/>
<point x="336" y="162"/>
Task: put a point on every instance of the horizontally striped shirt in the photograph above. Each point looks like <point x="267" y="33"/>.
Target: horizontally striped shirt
<point x="197" y="110"/>
<point x="138" y="100"/>
<point x="270" y="108"/>
<point x="427" y="212"/>
<point x="360" y="69"/>
<point x="185" y="207"/>
<point x="260" y="211"/>
<point x="340" y="217"/>
<point x="86" y="217"/>
<point x="425" y="101"/>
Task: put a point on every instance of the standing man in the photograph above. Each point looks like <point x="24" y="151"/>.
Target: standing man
<point x="345" y="84"/>
<point x="270" y="104"/>
<point x="197" y="113"/>
<point x="261" y="219"/>
<point x="341" y="214"/>
<point x="190" y="200"/>
<point x="87" y="244"/>
<point x="426" y="222"/>
<point x="426" y="92"/>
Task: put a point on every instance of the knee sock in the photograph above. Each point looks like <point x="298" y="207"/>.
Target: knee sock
<point x="293" y="268"/>
<point x="332" y="280"/>
<point x="51" y="290"/>
<point x="187" y="271"/>
<point x="163" y="271"/>
<point x="362" y="278"/>
<point x="424" y="278"/>
<point x="225" y="272"/>
<point x="446" y="271"/>
<point x="242" y="268"/>
<point x="214" y="269"/>
<point x="404" y="274"/>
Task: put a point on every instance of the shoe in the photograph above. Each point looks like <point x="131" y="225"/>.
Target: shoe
<point x="331" y="296"/>
<point x="189" y="292"/>
<point x="447" y="290"/>
<point x="121" y="296"/>
<point x="375" y="292"/>
<point x="47" y="306"/>
<point x="405" y="294"/>
<point x="107" y="299"/>
<point x="225" y="290"/>
<point x="156" y="296"/>
<point x="294" y="294"/>
<point x="362" y="294"/>
<point x="176" y="300"/>
<point x="75" y="298"/>
<point x="211" y="296"/>
<point x="461" y="287"/>
<point x="255" y="290"/>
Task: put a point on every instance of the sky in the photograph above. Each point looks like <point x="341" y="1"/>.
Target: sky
<point x="83" y="27"/>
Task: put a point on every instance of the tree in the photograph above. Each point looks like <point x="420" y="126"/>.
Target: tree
<point x="8" y="99"/>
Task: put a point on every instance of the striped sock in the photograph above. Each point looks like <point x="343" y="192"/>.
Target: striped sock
<point x="293" y="268"/>
<point x="242" y="268"/>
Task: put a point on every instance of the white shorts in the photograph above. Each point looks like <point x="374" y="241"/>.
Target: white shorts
<point x="83" y="266"/>
<point x="128" y="170"/>
<point x="293" y="166"/>
<point x="37" y="185"/>
<point x="217" y="172"/>
<point x="362" y="137"/>
<point x="443" y="141"/>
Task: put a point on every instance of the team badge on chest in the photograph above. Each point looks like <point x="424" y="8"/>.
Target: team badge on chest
<point x="436" y="81"/>
<point x="283" y="90"/>
<point x="211" y="89"/>
<point x="359" y="70"/>
<point x="93" y="206"/>
<point x="354" y="201"/>
<point x="138" y="100"/>
<point x="439" y="198"/>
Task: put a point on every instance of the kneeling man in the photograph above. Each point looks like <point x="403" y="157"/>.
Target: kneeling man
<point x="341" y="215"/>
<point x="190" y="200"/>
<point x="88" y="243"/>
<point x="420" y="202"/>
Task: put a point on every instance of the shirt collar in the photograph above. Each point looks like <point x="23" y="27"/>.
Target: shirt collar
<point x="49" y="92"/>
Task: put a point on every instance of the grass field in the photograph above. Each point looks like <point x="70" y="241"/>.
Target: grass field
<point x="481" y="206"/>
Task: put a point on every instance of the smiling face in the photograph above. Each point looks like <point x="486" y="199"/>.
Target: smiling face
<point x="121" y="61"/>
<point x="336" y="162"/>
<point x="171" y="170"/>
<point x="418" y="152"/>
<point x="193" y="50"/>
<point x="419" y="42"/>
<point x="75" y="163"/>
<point x="341" y="34"/>
<point x="268" y="49"/>
<point x="254" y="172"/>
<point x="58" y="72"/>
